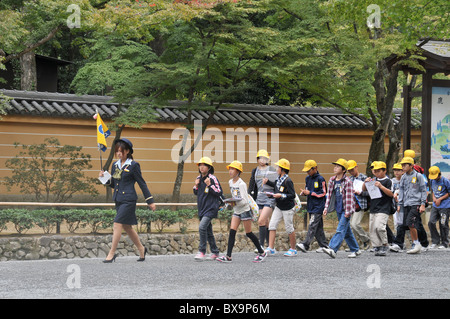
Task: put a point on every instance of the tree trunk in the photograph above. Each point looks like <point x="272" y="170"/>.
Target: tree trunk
<point x="182" y="156"/>
<point x="385" y="84"/>
<point x="28" y="80"/>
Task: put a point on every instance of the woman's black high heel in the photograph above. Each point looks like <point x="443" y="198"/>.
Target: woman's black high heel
<point x="106" y="261"/>
<point x="143" y="258"/>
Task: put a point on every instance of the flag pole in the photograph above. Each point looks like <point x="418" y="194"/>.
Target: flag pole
<point x="101" y="161"/>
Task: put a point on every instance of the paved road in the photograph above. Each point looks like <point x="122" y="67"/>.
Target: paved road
<point x="310" y="275"/>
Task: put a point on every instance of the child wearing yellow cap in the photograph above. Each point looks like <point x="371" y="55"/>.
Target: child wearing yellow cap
<point x="208" y="191"/>
<point x="412" y="196"/>
<point x="361" y="207"/>
<point x="257" y="190"/>
<point x="242" y="213"/>
<point x="285" y="204"/>
<point x="315" y="191"/>
<point x="380" y="209"/>
<point x="340" y="198"/>
<point x="440" y="210"/>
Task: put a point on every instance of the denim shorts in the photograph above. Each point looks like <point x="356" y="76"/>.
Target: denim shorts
<point x="261" y="206"/>
<point x="244" y="216"/>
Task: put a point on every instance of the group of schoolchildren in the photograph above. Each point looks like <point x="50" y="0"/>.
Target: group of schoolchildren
<point x="350" y="196"/>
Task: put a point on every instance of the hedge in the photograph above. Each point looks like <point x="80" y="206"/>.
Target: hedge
<point x="95" y="219"/>
<point x="99" y="219"/>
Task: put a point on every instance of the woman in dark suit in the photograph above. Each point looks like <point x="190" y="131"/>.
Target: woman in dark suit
<point x="125" y="173"/>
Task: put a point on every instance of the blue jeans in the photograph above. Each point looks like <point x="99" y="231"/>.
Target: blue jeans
<point x="343" y="231"/>
<point x="206" y="235"/>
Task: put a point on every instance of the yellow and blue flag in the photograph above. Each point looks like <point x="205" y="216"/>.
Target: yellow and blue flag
<point x="102" y="133"/>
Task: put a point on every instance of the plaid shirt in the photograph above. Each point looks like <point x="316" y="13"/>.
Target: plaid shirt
<point x="362" y="198"/>
<point x="347" y="195"/>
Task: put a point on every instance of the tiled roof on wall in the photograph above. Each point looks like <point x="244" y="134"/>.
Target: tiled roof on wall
<point x="76" y="106"/>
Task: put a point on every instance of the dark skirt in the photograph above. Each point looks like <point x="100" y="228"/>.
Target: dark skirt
<point x="126" y="213"/>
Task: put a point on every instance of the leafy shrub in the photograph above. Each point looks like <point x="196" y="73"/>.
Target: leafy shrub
<point x="47" y="219"/>
<point x="75" y="219"/>
<point x="99" y="218"/>
<point x="164" y="218"/>
<point x="22" y="219"/>
<point x="95" y="219"/>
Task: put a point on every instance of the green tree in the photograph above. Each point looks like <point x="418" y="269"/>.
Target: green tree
<point x="334" y="54"/>
<point x="50" y="171"/>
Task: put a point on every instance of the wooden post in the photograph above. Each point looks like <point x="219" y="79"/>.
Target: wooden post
<point x="407" y="117"/>
<point x="426" y="120"/>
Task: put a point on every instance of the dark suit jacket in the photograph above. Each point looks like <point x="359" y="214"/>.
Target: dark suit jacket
<point x="124" y="187"/>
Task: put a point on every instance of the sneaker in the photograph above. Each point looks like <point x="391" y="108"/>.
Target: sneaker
<point x="382" y="251"/>
<point x="395" y="248"/>
<point x="260" y="257"/>
<point x="366" y="245"/>
<point x="290" y="253"/>
<point x="319" y="250"/>
<point x="354" y="254"/>
<point x="415" y="250"/>
<point x="442" y="247"/>
<point x="224" y="259"/>
<point x="433" y="246"/>
<point x="330" y="252"/>
<point x="270" y="251"/>
<point x="425" y="248"/>
<point x="256" y="250"/>
<point x="212" y="257"/>
<point x="200" y="256"/>
<point x="301" y="247"/>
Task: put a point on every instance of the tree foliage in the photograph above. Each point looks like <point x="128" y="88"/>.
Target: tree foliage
<point x="50" y="171"/>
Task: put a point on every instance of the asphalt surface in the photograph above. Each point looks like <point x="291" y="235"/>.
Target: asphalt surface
<point x="309" y="275"/>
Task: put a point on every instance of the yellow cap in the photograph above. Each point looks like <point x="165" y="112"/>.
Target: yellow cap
<point x="409" y="153"/>
<point x="237" y="165"/>
<point x="205" y="160"/>
<point x="407" y="160"/>
<point x="308" y="165"/>
<point x="379" y="165"/>
<point x="342" y="162"/>
<point x="433" y="172"/>
<point x="397" y="166"/>
<point x="262" y="153"/>
<point x="351" y="164"/>
<point x="284" y="163"/>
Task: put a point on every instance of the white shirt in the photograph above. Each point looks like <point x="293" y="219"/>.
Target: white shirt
<point x="239" y="190"/>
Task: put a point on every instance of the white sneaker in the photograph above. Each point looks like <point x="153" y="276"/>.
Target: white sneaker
<point x="395" y="248"/>
<point x="442" y="247"/>
<point x="319" y="250"/>
<point x="270" y="251"/>
<point x="433" y="246"/>
<point x="416" y="250"/>
<point x="290" y="253"/>
<point x="354" y="254"/>
<point x="301" y="247"/>
<point x="330" y="252"/>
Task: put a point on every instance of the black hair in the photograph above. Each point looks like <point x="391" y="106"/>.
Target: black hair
<point x="284" y="170"/>
<point x="123" y="146"/>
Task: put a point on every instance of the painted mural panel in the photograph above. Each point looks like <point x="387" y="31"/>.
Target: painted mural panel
<point x="440" y="129"/>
